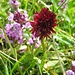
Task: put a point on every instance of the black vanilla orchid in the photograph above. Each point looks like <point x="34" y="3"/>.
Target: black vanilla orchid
<point x="44" y="23"/>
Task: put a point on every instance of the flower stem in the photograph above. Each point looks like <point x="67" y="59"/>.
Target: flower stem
<point x="6" y="69"/>
<point x="43" y="44"/>
<point x="62" y="67"/>
<point x="44" y="55"/>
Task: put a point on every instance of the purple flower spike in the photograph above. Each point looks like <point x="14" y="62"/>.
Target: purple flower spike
<point x="14" y="32"/>
<point x="21" y="18"/>
<point x="14" y="3"/>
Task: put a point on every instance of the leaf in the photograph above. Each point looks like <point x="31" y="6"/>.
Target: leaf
<point x="53" y="72"/>
<point x="50" y="63"/>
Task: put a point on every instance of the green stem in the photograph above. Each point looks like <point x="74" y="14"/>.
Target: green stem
<point x="5" y="66"/>
<point x="4" y="54"/>
<point x="59" y="58"/>
<point x="44" y="56"/>
<point x="43" y="45"/>
<point x="6" y="70"/>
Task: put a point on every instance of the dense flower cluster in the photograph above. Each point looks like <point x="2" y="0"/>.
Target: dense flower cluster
<point x="18" y="21"/>
<point x="71" y="71"/>
<point x="14" y="32"/>
<point x="20" y="17"/>
<point x="43" y="23"/>
<point x="14" y="3"/>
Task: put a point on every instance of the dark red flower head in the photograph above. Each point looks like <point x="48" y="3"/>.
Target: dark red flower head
<point x="43" y="23"/>
<point x="19" y="17"/>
